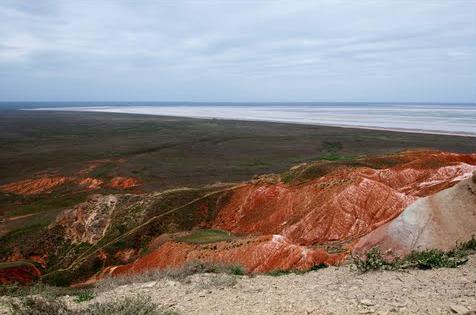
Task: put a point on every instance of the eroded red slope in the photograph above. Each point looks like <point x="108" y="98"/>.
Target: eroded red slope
<point x="343" y="204"/>
<point x="47" y="184"/>
<point x="35" y="186"/>
<point x="255" y="254"/>
<point x="334" y="210"/>
<point x="336" y="207"/>
<point x="19" y="274"/>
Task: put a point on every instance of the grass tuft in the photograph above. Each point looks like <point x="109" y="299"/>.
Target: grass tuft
<point x="138" y="305"/>
<point x="205" y="237"/>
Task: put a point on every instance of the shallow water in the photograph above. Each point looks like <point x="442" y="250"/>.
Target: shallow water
<point x="440" y="118"/>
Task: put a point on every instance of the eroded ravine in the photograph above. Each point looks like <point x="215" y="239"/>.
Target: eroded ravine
<point x="313" y="214"/>
<point x="288" y="226"/>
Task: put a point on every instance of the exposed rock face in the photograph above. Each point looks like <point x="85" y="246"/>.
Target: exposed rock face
<point x="35" y="186"/>
<point x="19" y="274"/>
<point x="123" y="182"/>
<point x="255" y="254"/>
<point x="298" y="222"/>
<point x="439" y="221"/>
<point x="88" y="221"/>
<point x="47" y="184"/>
<point x="335" y="207"/>
<point x="342" y="205"/>
<point x="321" y="217"/>
<point x="90" y="183"/>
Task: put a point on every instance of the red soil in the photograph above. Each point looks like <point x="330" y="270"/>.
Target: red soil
<point x="20" y="271"/>
<point x="342" y="205"/>
<point x="126" y="255"/>
<point x="90" y="183"/>
<point x="327" y="209"/>
<point x="19" y="275"/>
<point x="123" y="182"/>
<point x="47" y="184"/>
<point x="255" y="254"/>
<point x="35" y="186"/>
<point x="332" y="211"/>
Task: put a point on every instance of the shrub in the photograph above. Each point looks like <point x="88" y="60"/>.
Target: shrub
<point x="279" y="272"/>
<point x="469" y="246"/>
<point x="85" y="296"/>
<point x="282" y="272"/>
<point x="40" y="306"/>
<point x="41" y="290"/>
<point x="433" y="258"/>
<point x="202" y="267"/>
<point x="173" y="273"/>
<point x="138" y="305"/>
<point x="372" y="261"/>
<point x="237" y="270"/>
<point x="427" y="259"/>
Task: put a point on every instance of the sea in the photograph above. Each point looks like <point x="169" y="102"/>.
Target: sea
<point x="456" y="119"/>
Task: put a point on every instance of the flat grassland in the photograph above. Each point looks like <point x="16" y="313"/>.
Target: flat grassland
<point x="167" y="152"/>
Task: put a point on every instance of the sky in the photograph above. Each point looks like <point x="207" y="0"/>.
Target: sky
<point x="238" y="51"/>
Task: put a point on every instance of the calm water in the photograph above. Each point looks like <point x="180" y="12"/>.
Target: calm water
<point x="440" y="118"/>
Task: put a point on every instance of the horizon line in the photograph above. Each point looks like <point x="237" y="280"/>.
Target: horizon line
<point x="252" y="102"/>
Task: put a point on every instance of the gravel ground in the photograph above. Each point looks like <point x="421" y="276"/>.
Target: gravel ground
<point x="334" y="290"/>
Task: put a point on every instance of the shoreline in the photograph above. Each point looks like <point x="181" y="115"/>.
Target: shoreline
<point x="283" y="121"/>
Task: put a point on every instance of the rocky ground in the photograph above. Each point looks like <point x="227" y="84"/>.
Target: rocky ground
<point x="334" y="290"/>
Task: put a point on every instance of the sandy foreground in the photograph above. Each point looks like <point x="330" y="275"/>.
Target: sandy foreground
<point x="334" y="290"/>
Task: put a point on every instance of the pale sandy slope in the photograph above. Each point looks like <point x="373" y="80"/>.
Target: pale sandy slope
<point x="442" y="220"/>
<point x="335" y="290"/>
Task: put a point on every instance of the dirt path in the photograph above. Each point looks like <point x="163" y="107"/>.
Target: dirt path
<point x="19" y="217"/>
<point x="335" y="290"/>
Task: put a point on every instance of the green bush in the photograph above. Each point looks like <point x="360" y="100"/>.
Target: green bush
<point x="237" y="270"/>
<point x="372" y="261"/>
<point x="427" y="259"/>
<point x="433" y="258"/>
<point x="85" y="296"/>
<point x="279" y="272"/>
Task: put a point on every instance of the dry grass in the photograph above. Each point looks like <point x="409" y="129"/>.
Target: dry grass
<point x="138" y="305"/>
<point x="218" y="281"/>
<point x="179" y="274"/>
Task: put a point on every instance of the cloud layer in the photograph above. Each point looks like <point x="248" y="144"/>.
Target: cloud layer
<point x="238" y="50"/>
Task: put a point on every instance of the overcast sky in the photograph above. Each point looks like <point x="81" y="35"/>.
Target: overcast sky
<point x="238" y="50"/>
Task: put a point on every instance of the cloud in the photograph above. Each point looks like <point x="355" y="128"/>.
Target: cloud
<point x="237" y="51"/>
